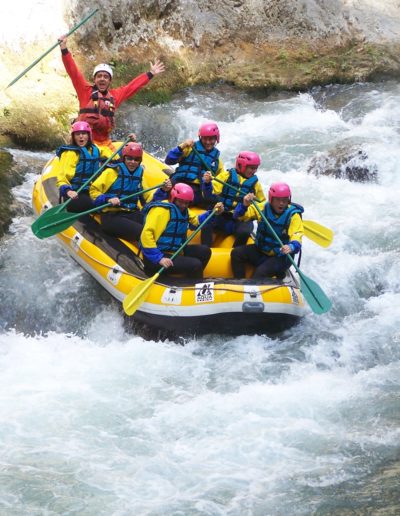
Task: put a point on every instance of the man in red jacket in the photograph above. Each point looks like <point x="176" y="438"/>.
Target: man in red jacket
<point x="97" y="103"/>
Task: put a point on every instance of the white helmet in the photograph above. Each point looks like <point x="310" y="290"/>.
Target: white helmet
<point x="103" y="67"/>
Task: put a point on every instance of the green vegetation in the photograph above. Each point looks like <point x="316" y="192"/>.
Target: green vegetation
<point x="281" y="67"/>
<point x="298" y="69"/>
<point x="158" y="91"/>
<point x="41" y="127"/>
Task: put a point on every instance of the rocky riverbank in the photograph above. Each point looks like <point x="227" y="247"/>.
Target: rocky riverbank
<point x="257" y="46"/>
<point x="253" y="45"/>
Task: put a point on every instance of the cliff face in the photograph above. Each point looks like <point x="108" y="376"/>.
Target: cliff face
<point x="253" y="44"/>
<point x="200" y="23"/>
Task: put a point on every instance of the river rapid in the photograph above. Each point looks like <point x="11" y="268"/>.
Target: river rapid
<point x="96" y="420"/>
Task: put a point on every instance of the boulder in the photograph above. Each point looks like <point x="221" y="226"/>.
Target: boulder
<point x="344" y="162"/>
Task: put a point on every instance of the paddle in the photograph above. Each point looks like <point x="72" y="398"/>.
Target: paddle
<point x="60" y="207"/>
<point x="139" y="293"/>
<point x="319" y="234"/>
<point x="63" y="220"/>
<point x="315" y="296"/>
<point x="51" y="48"/>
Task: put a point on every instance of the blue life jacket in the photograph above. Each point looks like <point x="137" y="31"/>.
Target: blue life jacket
<point x="86" y="166"/>
<point x="126" y="183"/>
<point x="175" y="233"/>
<point x="231" y="197"/>
<point x="265" y="241"/>
<point x="191" y="167"/>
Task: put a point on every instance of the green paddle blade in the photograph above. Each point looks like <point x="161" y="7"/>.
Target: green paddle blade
<point x="48" y="226"/>
<point x="45" y="218"/>
<point x="138" y="295"/>
<point x="321" y="235"/>
<point x="313" y="293"/>
<point x="58" y="208"/>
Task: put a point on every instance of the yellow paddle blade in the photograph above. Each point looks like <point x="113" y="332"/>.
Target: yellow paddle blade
<point x="321" y="235"/>
<point x="138" y="295"/>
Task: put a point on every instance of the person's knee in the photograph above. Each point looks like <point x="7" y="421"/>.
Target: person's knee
<point x="237" y="253"/>
<point x="207" y="252"/>
<point x="234" y="254"/>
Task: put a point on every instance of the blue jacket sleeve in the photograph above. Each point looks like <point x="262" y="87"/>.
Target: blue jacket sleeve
<point x="64" y="189"/>
<point x="173" y="156"/>
<point x="153" y="254"/>
<point x="239" y="211"/>
<point x="101" y="199"/>
<point x="295" y="246"/>
<point x="159" y="195"/>
<point x="207" y="191"/>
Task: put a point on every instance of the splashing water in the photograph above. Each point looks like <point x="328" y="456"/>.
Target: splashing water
<point x="99" y="421"/>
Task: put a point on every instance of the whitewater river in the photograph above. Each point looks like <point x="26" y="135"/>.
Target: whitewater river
<point x="95" y="420"/>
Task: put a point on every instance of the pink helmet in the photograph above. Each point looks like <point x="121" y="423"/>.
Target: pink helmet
<point x="182" y="191"/>
<point x="81" y="126"/>
<point x="247" y="158"/>
<point x="279" y="190"/>
<point x="209" y="129"/>
<point x="133" y="149"/>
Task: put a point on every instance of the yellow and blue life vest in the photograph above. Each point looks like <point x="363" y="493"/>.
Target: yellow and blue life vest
<point x="175" y="233"/>
<point x="265" y="240"/>
<point x="86" y="166"/>
<point x="191" y="167"/>
<point x="126" y="183"/>
<point x="229" y="196"/>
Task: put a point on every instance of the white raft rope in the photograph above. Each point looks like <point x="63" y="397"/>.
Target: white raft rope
<point x="172" y="287"/>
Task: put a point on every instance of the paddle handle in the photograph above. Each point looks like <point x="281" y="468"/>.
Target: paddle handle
<point x="51" y="48"/>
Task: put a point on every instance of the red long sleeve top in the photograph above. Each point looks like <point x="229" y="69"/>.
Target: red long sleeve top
<point x="84" y="90"/>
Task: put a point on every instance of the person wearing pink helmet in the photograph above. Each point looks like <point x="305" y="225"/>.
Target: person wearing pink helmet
<point x="243" y="179"/>
<point x="190" y="155"/>
<point x="78" y="161"/>
<point x="123" y="219"/>
<point x="165" y="230"/>
<point x="97" y="102"/>
<point x="266" y="255"/>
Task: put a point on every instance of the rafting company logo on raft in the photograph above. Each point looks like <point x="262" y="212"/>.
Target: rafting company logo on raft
<point x="204" y="292"/>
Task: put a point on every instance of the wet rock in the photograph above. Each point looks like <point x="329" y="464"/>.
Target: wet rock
<point x="5" y="191"/>
<point x="344" y="162"/>
<point x="11" y="174"/>
<point x="258" y="46"/>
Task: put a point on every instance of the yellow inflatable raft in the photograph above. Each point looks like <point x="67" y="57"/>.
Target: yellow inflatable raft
<point x="175" y="305"/>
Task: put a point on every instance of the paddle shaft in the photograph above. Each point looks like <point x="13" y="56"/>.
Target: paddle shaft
<point x="212" y="173"/>
<point x="274" y="233"/>
<point x="313" y="293"/>
<point x="52" y="48"/>
<point x="185" y="243"/>
<point x="324" y="234"/>
<point x="74" y="216"/>
<point x="139" y="293"/>
<point x="103" y="166"/>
